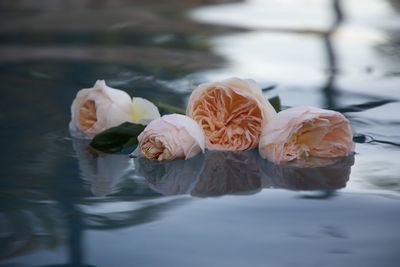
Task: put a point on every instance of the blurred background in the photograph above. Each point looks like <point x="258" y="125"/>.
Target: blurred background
<point x="65" y="205"/>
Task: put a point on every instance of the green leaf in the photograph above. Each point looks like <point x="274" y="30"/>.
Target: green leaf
<point x="165" y="108"/>
<point x="117" y="138"/>
<point x="276" y="103"/>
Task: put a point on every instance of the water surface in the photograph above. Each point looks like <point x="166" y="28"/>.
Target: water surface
<point x="65" y="204"/>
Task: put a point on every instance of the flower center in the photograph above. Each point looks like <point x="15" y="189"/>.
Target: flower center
<point x="153" y="148"/>
<point x="309" y="136"/>
<point x="87" y="115"/>
<point x="230" y="121"/>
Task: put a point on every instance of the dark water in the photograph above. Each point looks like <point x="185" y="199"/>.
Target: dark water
<point x="64" y="204"/>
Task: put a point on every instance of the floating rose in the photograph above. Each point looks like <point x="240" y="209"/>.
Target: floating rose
<point x="101" y="107"/>
<point x="231" y="113"/>
<point x="306" y="131"/>
<point x="170" y="137"/>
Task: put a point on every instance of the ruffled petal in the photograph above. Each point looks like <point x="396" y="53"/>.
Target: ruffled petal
<point x="231" y="113"/>
<point x="301" y="132"/>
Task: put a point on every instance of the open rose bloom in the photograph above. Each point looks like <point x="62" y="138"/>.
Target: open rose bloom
<point x="170" y="137"/>
<point x="231" y="113"/>
<point x="101" y="107"/>
<point x="301" y="132"/>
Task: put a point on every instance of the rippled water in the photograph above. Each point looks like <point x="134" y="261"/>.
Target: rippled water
<point x="64" y="204"/>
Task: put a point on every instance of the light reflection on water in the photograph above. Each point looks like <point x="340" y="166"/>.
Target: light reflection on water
<point x="62" y="202"/>
<point x="291" y="52"/>
<point x="220" y="173"/>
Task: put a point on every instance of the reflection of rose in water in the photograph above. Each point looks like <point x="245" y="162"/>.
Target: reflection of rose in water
<point x="219" y="173"/>
<point x="171" y="177"/>
<point x="213" y="174"/>
<point x="102" y="172"/>
<point x="229" y="173"/>
<point x="310" y="174"/>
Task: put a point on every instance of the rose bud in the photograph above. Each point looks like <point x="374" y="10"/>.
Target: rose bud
<point x="101" y="107"/>
<point x="301" y="132"/>
<point x="170" y="137"/>
<point x="231" y="113"/>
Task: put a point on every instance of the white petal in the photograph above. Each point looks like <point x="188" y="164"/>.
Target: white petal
<point x="144" y="111"/>
<point x="119" y="97"/>
<point x="116" y="116"/>
<point x="113" y="107"/>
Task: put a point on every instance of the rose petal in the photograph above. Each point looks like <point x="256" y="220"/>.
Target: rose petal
<point x="119" y="97"/>
<point x="230" y="112"/>
<point x="306" y="131"/>
<point x="189" y="125"/>
<point x="144" y="111"/>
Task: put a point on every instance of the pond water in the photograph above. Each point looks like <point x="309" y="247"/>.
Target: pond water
<point x="64" y="204"/>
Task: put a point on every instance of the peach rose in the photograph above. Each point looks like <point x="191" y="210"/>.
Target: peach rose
<point x="170" y="137"/>
<point x="306" y="131"/>
<point x="101" y="107"/>
<point x="231" y="113"/>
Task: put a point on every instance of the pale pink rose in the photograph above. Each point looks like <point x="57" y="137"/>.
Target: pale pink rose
<point x="101" y="107"/>
<point x="170" y="137"/>
<point x="301" y="132"/>
<point x="231" y="113"/>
